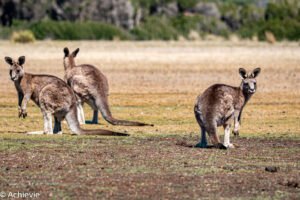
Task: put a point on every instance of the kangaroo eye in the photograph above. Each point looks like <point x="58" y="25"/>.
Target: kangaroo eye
<point x="18" y="71"/>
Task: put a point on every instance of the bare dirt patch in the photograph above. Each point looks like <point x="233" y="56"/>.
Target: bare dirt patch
<point x="149" y="168"/>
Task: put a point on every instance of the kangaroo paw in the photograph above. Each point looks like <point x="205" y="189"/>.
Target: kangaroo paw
<point x="22" y="113"/>
<point x="229" y="145"/>
<point x="220" y="146"/>
<point x="201" y="145"/>
<point x="236" y="133"/>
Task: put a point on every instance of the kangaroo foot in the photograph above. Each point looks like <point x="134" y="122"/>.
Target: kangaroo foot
<point x="220" y="146"/>
<point x="236" y="133"/>
<point x="48" y="133"/>
<point x="201" y="145"/>
<point x="35" y="133"/>
<point x="91" y="122"/>
<point x="229" y="145"/>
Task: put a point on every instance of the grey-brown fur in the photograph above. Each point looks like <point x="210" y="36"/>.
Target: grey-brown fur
<point x="221" y="104"/>
<point x="52" y="95"/>
<point x="90" y="86"/>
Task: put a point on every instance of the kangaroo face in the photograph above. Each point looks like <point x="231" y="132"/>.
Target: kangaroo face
<point x="16" y="68"/>
<point x="69" y="58"/>
<point x="248" y="84"/>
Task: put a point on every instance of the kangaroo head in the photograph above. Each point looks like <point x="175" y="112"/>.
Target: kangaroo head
<point x="69" y="61"/>
<point x="248" y="84"/>
<point x="16" y="71"/>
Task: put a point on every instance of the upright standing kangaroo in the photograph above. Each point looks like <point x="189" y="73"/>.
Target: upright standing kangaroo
<point x="220" y="104"/>
<point x="52" y="95"/>
<point x="90" y="86"/>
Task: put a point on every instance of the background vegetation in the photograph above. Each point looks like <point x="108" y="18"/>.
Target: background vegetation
<point x="169" y="20"/>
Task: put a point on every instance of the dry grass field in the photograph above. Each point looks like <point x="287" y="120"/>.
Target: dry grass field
<point x="158" y="82"/>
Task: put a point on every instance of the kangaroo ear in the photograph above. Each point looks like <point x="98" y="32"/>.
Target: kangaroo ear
<point x="75" y="52"/>
<point x="66" y="51"/>
<point x="8" y="60"/>
<point x="21" y="60"/>
<point x="255" y="72"/>
<point x="243" y="73"/>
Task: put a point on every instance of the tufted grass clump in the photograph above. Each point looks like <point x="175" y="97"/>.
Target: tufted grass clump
<point x="270" y="37"/>
<point x="23" y="36"/>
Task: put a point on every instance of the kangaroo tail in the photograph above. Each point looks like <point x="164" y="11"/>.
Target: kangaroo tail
<point x="102" y="132"/>
<point x="73" y="123"/>
<point x="105" y="111"/>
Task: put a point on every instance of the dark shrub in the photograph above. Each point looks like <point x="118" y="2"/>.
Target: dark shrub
<point x="184" y="24"/>
<point x="64" y="30"/>
<point x="155" y="28"/>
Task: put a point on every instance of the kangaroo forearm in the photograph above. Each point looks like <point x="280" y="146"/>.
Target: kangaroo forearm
<point x="240" y="116"/>
<point x="20" y="99"/>
<point x="26" y="100"/>
<point x="22" y="109"/>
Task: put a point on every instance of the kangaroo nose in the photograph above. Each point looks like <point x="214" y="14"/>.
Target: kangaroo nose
<point x="252" y="90"/>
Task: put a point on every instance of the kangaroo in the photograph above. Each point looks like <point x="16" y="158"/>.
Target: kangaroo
<point x="90" y="86"/>
<point x="219" y="105"/>
<point x="52" y="95"/>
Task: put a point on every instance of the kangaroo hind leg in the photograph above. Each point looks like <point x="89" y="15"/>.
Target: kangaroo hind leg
<point x="227" y="136"/>
<point x="95" y="118"/>
<point x="203" y="142"/>
<point x="47" y="123"/>
<point x="57" y="126"/>
<point x="80" y="113"/>
<point x="213" y="135"/>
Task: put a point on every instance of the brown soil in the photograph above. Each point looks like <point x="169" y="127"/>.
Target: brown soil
<point x="149" y="168"/>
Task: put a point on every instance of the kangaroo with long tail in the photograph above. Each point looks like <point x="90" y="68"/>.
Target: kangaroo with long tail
<point x="90" y="86"/>
<point x="52" y="95"/>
